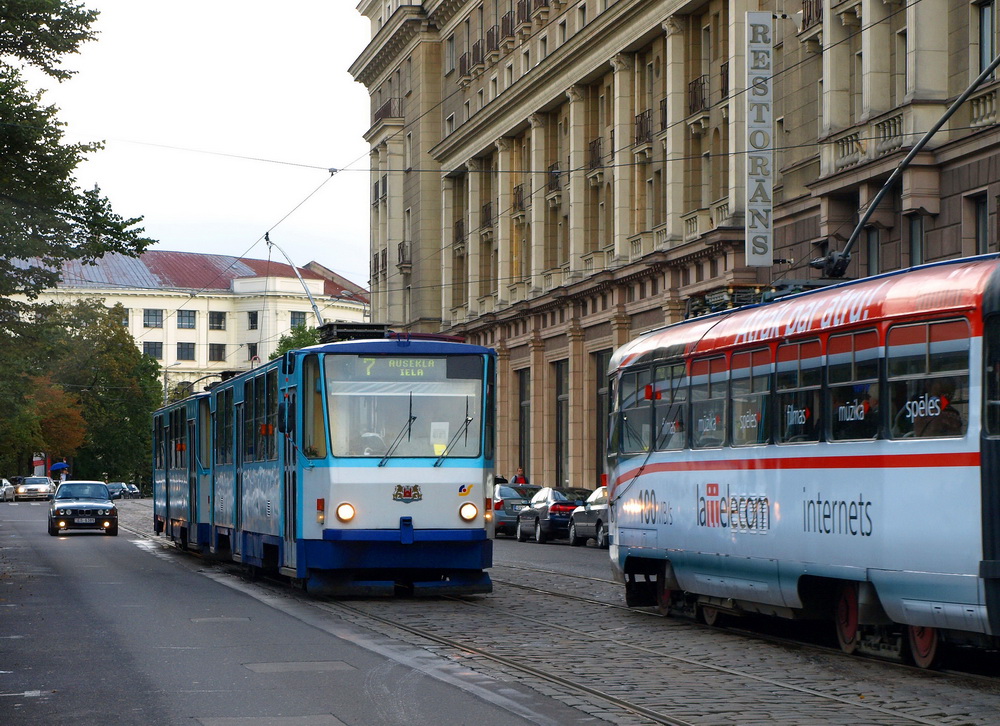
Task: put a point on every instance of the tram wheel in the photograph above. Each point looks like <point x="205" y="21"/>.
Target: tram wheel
<point x="846" y="617"/>
<point x="923" y="645"/>
<point x="663" y="595"/>
<point x="709" y="615"/>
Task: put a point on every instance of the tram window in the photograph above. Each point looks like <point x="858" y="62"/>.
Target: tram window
<point x="798" y="374"/>
<point x="313" y="432"/>
<point x="669" y="407"/>
<point x="708" y="402"/>
<point x="271" y="420"/>
<point x="750" y="389"/>
<point x="991" y="385"/>
<point x="635" y="392"/>
<point x="852" y="391"/>
<point x="928" y="368"/>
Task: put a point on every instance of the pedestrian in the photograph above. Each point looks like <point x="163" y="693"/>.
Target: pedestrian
<point x="519" y="477"/>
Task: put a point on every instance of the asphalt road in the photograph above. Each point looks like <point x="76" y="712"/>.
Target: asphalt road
<point x="120" y="630"/>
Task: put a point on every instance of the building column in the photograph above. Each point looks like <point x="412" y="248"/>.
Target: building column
<point x="447" y="249"/>
<point x="876" y="45"/>
<point x="624" y="118"/>
<point x="837" y="63"/>
<point x="577" y="180"/>
<point x="579" y="443"/>
<point x="506" y="424"/>
<point x="927" y="60"/>
<point x="541" y="438"/>
<point x="393" y="164"/>
<point x="674" y="141"/>
<point x="473" y="219"/>
<point x="505" y="275"/>
<point x="538" y="177"/>
<point x="737" y="121"/>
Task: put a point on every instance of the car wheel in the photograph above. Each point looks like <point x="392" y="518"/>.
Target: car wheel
<point x="573" y="539"/>
<point x="602" y="536"/>
<point x="113" y="531"/>
<point x="521" y="536"/>
<point x="540" y="537"/>
<point x="53" y="530"/>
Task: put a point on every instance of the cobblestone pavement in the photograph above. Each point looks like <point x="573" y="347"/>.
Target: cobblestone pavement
<point x="672" y="666"/>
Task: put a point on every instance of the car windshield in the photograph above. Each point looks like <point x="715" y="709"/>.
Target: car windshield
<point x="82" y="491"/>
<point x="36" y="480"/>
<point x="570" y="494"/>
<point x="400" y="406"/>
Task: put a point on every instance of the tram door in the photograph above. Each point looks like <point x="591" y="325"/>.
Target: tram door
<point x="192" y="480"/>
<point x="289" y="479"/>
<point x="237" y="538"/>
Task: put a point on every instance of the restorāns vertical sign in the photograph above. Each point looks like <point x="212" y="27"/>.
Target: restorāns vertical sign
<point x="760" y="126"/>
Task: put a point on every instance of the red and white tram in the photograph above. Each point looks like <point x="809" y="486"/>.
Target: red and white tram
<point x="832" y="454"/>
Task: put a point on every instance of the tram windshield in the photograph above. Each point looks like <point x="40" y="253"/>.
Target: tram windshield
<point x="402" y="407"/>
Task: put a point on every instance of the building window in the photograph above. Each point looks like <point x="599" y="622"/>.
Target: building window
<point x="153" y="350"/>
<point x="216" y="352"/>
<point x="987" y="34"/>
<point x="603" y="409"/>
<point x="449" y="124"/>
<point x="152" y="318"/>
<point x="872" y="241"/>
<point x="185" y="351"/>
<point x="124" y="318"/>
<point x="252" y="320"/>
<point x="251" y="351"/>
<point x="408" y="152"/>
<point x="298" y="318"/>
<point x="185" y="319"/>
<point x="560" y="371"/>
<point x="524" y="419"/>
<point x="216" y="321"/>
<point x="581" y="15"/>
<point x="916" y="225"/>
<point x="449" y="55"/>
<point x="982" y="227"/>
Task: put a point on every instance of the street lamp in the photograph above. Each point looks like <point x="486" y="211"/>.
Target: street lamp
<point x="165" y="380"/>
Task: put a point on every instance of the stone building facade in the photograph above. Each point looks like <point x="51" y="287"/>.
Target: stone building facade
<point x="552" y="177"/>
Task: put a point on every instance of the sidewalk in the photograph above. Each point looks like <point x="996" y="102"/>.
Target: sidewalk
<point x="136" y="515"/>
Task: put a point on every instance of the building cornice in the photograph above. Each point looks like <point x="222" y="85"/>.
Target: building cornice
<point x="405" y="24"/>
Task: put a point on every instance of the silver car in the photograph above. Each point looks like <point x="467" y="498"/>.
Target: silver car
<point x="6" y="491"/>
<point x="34" y="487"/>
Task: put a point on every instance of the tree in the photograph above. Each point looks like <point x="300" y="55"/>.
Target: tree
<point x="301" y="336"/>
<point x="45" y="219"/>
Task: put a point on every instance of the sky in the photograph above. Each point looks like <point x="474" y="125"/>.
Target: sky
<point x="221" y="119"/>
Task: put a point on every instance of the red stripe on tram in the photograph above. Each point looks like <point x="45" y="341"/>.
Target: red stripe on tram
<point x="874" y="461"/>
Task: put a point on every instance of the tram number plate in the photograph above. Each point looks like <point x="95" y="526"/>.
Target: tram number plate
<point x="85" y="520"/>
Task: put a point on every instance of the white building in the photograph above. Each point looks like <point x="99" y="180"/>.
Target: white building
<point x="200" y="315"/>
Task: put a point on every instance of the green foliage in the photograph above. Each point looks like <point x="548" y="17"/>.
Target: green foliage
<point x="301" y="336"/>
<point x="45" y="219"/>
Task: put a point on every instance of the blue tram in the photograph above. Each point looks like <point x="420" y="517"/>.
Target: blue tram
<point x="355" y="468"/>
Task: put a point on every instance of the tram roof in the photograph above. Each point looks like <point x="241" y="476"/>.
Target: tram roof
<point x="940" y="287"/>
<point x="400" y="346"/>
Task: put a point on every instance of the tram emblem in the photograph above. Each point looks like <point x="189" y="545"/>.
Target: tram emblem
<point x="465" y="489"/>
<point x="407" y="494"/>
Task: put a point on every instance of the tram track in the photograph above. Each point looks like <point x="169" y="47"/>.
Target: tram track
<point x="646" y="669"/>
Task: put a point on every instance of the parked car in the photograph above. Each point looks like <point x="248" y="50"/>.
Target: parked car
<point x="590" y="520"/>
<point x="83" y="505"/>
<point x="118" y="489"/>
<point x="34" y="487"/>
<point x="6" y="491"/>
<point x="134" y="492"/>
<point x="508" y="500"/>
<point x="547" y="514"/>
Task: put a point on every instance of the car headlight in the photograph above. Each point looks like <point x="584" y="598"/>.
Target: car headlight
<point x="468" y="511"/>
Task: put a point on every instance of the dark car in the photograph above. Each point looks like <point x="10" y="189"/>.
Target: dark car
<point x="133" y="492"/>
<point x="118" y="490"/>
<point x="547" y="514"/>
<point x="508" y="500"/>
<point x="83" y="505"/>
<point x="590" y="520"/>
<point x="34" y="487"/>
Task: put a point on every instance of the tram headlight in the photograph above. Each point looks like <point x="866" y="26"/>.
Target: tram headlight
<point x="345" y="512"/>
<point x="468" y="511"/>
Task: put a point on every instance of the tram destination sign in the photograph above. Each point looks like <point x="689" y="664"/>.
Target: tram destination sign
<point x="760" y="135"/>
